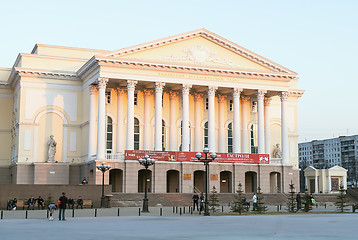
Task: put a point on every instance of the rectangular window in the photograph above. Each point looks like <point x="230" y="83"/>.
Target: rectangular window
<point x="254" y="106"/>
<point x="231" y="105"/>
<point x="108" y="97"/>
<point x="135" y="99"/>
<point x="206" y="103"/>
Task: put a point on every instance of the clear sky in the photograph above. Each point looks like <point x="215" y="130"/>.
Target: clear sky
<point x="318" y="39"/>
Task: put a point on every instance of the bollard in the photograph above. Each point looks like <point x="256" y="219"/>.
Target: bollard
<point x="184" y="210"/>
<point x="95" y="212"/>
<point x="191" y="210"/>
<point x="26" y="214"/>
<point x="278" y="208"/>
<point x="161" y="212"/>
<point x="73" y="212"/>
<point x="138" y="211"/>
<point x="222" y="208"/>
<point x="118" y="212"/>
<point x="173" y="209"/>
<point x="353" y="208"/>
<point x="325" y="205"/>
<point x="180" y="211"/>
<point x="2" y="214"/>
<point x="176" y="209"/>
<point x="47" y="213"/>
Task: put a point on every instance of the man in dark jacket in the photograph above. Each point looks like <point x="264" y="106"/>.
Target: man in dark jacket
<point x="195" y="201"/>
<point x="62" y="206"/>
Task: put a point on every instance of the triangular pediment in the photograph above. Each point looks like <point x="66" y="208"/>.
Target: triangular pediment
<point x="199" y="48"/>
<point x="310" y="169"/>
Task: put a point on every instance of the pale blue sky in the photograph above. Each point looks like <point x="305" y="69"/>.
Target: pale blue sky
<point x="315" y="38"/>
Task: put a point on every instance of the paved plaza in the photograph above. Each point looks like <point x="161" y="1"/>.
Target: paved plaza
<point x="297" y="226"/>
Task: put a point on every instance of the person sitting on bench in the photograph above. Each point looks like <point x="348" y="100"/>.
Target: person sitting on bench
<point x="80" y="202"/>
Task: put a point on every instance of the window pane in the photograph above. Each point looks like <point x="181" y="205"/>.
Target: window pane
<point x="136" y="137"/>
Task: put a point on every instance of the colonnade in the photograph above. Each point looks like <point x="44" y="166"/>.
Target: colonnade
<point x="240" y="131"/>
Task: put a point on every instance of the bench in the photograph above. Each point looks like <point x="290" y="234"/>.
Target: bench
<point x="86" y="203"/>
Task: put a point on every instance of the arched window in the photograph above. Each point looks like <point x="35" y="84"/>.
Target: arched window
<point x="181" y="136"/>
<point x="163" y="135"/>
<point x="136" y="134"/>
<point x="229" y="138"/>
<point x="253" y="138"/>
<point x="109" y="135"/>
<point x="206" y="134"/>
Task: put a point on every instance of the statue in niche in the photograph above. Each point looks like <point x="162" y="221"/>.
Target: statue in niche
<point x="277" y="152"/>
<point x="51" y="149"/>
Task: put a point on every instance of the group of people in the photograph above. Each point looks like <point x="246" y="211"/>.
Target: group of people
<point x="31" y="202"/>
<point x="310" y="199"/>
<point x="196" y="200"/>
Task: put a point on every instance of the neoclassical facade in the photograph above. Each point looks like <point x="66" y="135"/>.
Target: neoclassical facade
<point x="175" y="95"/>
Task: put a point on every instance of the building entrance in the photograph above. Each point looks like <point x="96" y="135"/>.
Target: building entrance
<point x="172" y="181"/>
<point x="141" y="180"/>
<point x="116" y="180"/>
<point x="199" y="181"/>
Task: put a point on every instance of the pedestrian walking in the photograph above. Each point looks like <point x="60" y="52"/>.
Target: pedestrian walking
<point x="254" y="202"/>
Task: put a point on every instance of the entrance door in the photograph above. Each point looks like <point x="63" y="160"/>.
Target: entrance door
<point x="116" y="179"/>
<point x="225" y="182"/>
<point x="142" y="179"/>
<point x="312" y="186"/>
<point x="199" y="180"/>
<point x="172" y="181"/>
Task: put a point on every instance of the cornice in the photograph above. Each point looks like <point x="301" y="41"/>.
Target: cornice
<point x="195" y="69"/>
<point x="65" y="47"/>
<point x="45" y="73"/>
<point x="209" y="36"/>
<point x="54" y="57"/>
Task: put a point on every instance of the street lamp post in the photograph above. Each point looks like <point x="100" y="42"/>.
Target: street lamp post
<point x="146" y="162"/>
<point x="206" y="162"/>
<point x="103" y="168"/>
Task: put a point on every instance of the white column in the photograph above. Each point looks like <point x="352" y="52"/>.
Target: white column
<point x="158" y="115"/>
<point x="120" y="118"/>
<point x="172" y="127"/>
<point x="236" y="128"/>
<point x="198" y="146"/>
<point x="261" y="121"/>
<point x="284" y="128"/>
<point x="147" y="136"/>
<point x="316" y="183"/>
<point x="130" y="114"/>
<point x="329" y="182"/>
<point x="245" y="132"/>
<point x="92" y="122"/>
<point x="267" y="126"/>
<point x="211" y="119"/>
<point x="344" y="181"/>
<point x="101" y="119"/>
<point x="221" y="122"/>
<point x="185" y="116"/>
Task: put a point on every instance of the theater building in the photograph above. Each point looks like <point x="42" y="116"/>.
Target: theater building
<point x="168" y="98"/>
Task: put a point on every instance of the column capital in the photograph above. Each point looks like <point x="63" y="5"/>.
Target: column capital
<point x="221" y="98"/>
<point x="173" y="95"/>
<point x="93" y="89"/>
<point x="131" y="84"/>
<point x="212" y="90"/>
<point x="102" y="82"/>
<point x="261" y="94"/>
<point x="245" y="99"/>
<point x="267" y="101"/>
<point x="186" y="88"/>
<point x="198" y="97"/>
<point x="120" y="91"/>
<point x="236" y="92"/>
<point x="284" y="96"/>
<point x="147" y="92"/>
<point x="159" y="87"/>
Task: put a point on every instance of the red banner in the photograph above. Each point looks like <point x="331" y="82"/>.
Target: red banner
<point x="190" y="156"/>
